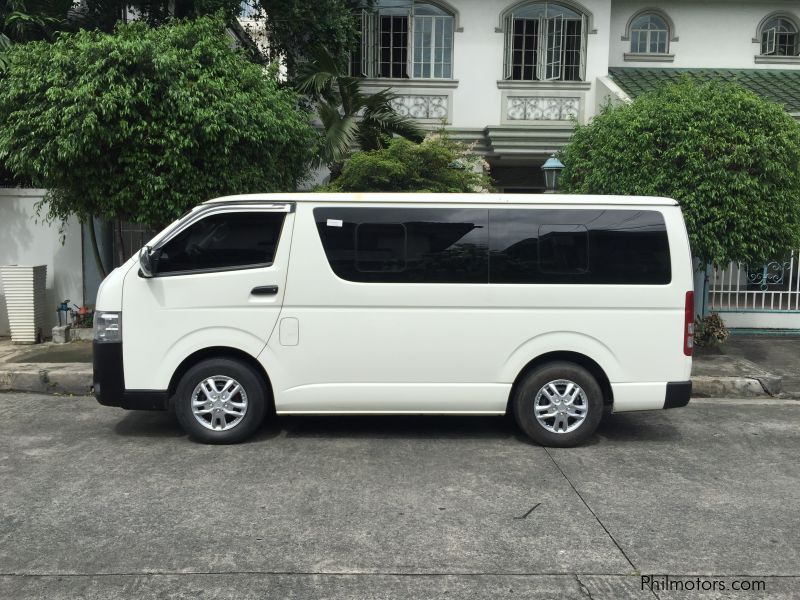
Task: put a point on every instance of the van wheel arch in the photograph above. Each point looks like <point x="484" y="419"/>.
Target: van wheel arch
<point x="222" y="352"/>
<point x="574" y="357"/>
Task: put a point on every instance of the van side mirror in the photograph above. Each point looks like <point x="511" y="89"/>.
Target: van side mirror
<point x="148" y="261"/>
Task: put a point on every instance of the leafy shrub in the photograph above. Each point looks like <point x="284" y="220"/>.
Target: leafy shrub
<point x="710" y="331"/>
<point x="437" y="164"/>
<point x="730" y="158"/>
<point x="142" y="124"/>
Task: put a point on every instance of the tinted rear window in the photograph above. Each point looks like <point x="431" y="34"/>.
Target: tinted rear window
<point x="504" y="245"/>
<point x="406" y="245"/>
<point x="578" y="246"/>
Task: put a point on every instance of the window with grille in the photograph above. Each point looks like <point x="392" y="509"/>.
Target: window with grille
<point x="779" y="38"/>
<point x="433" y="44"/>
<point x="404" y="39"/>
<point x="393" y="46"/>
<point x="649" y="35"/>
<point x="545" y="42"/>
<point x="359" y="58"/>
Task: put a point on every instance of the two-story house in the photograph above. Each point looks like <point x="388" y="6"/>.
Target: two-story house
<point x="511" y="77"/>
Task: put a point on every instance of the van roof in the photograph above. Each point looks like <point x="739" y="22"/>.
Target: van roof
<point x="381" y="197"/>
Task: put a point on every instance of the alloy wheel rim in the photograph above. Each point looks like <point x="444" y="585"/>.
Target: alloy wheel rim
<point x="219" y="403"/>
<point x="561" y="406"/>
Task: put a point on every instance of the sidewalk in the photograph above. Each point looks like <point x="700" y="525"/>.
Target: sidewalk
<point x="46" y="368"/>
<point x="745" y="367"/>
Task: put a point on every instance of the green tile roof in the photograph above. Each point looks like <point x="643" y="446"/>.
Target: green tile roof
<point x="777" y="85"/>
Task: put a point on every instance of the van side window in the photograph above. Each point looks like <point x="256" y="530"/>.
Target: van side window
<point x="580" y="246"/>
<point x="406" y="245"/>
<point x="223" y="241"/>
<point x="381" y="247"/>
<point x="563" y="249"/>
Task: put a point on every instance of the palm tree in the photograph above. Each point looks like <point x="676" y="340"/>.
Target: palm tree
<point x="25" y="20"/>
<point x="350" y="116"/>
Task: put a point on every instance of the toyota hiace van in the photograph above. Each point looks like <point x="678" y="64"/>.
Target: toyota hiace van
<point x="557" y="309"/>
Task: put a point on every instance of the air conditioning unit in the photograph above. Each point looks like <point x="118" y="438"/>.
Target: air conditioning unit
<point x="24" y="289"/>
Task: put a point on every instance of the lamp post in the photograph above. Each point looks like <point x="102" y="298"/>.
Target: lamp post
<point x="552" y="169"/>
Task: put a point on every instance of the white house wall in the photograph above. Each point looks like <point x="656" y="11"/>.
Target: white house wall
<point x="27" y="240"/>
<point x="478" y="61"/>
<point x="475" y="97"/>
<point x="711" y="34"/>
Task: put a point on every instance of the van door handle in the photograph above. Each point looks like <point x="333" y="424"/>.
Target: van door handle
<point x="265" y="290"/>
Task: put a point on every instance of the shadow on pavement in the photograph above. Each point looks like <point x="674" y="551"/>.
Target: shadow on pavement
<point x="398" y="427"/>
<point x="164" y="424"/>
<point x="635" y="427"/>
<point x="152" y="424"/>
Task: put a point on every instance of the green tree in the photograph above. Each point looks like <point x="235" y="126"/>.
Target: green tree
<point x="438" y="164"/>
<point x="105" y="14"/>
<point x="731" y="159"/>
<point x="22" y="21"/>
<point x="295" y="28"/>
<point x="143" y="124"/>
<point x="349" y="115"/>
<point x="25" y="20"/>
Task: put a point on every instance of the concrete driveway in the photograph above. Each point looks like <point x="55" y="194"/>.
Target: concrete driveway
<point x="97" y="503"/>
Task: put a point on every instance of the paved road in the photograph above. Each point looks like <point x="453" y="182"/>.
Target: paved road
<point x="97" y="503"/>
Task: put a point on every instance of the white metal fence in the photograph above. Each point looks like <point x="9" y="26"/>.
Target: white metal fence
<point x="774" y="286"/>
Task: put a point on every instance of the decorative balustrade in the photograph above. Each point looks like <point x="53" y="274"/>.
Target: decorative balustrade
<point x="542" y="108"/>
<point x="422" y="106"/>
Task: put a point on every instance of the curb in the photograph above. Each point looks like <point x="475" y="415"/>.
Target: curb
<point x="76" y="379"/>
<point x="704" y="386"/>
<point x="47" y="378"/>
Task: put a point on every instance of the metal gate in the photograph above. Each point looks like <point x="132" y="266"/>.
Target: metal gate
<point x="767" y="296"/>
<point x="132" y="236"/>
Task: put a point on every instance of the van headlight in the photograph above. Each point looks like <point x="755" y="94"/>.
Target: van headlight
<point x="108" y="326"/>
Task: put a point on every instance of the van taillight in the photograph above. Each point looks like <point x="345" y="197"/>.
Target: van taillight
<point x="688" y="325"/>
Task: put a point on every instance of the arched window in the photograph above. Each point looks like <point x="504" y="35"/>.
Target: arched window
<point x="545" y="41"/>
<point x="403" y="39"/>
<point x="779" y="37"/>
<point x="649" y="34"/>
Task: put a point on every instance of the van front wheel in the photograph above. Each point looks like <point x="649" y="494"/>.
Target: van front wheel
<point x="220" y="401"/>
<point x="558" y="404"/>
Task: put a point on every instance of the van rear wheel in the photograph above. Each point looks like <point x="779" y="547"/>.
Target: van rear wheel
<point x="220" y="401"/>
<point x="558" y="404"/>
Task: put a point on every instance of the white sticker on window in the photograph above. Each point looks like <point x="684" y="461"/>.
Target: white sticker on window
<point x="334" y="222"/>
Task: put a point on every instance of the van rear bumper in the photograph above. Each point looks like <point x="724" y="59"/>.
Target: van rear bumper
<point x="109" y="382"/>
<point x="678" y="394"/>
<point x="650" y="395"/>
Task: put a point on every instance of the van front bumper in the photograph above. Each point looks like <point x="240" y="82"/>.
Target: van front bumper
<point x="109" y="382"/>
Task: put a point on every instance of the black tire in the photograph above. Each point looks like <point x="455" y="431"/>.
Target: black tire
<point x="524" y="400"/>
<point x="253" y="385"/>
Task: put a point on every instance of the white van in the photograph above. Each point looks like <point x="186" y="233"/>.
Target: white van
<point x="557" y="308"/>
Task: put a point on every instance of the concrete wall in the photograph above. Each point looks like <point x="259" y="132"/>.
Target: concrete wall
<point x="26" y="240"/>
<point x="710" y="34"/>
